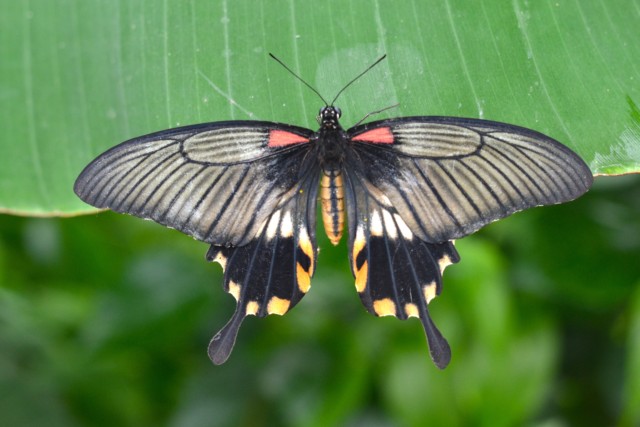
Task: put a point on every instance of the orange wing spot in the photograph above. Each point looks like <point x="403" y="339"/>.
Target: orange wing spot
<point x="361" y="277"/>
<point x="376" y="136"/>
<point x="282" y="138"/>
<point x="278" y="306"/>
<point x="304" y="280"/>
<point x="252" y="308"/>
<point x="384" y="307"/>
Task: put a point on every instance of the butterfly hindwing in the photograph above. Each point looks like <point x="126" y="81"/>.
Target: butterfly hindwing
<point x="397" y="273"/>
<point x="197" y="179"/>
<point x="271" y="273"/>
<point x="450" y="176"/>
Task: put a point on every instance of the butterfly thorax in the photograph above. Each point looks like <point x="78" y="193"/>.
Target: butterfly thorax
<point x="331" y="140"/>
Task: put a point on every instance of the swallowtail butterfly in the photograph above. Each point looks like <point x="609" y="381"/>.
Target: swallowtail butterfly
<point x="409" y="187"/>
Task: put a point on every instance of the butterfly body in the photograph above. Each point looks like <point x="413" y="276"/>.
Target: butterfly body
<point x="332" y="141"/>
<point x="408" y="187"/>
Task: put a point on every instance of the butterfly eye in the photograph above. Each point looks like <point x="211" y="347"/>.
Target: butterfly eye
<point x="338" y="112"/>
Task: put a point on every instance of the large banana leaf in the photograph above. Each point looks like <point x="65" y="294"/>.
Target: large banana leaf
<point x="77" y="77"/>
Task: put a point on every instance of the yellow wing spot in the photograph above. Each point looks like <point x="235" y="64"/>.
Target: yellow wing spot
<point x="358" y="244"/>
<point x="234" y="289"/>
<point x="278" y="306"/>
<point x="361" y="274"/>
<point x="305" y="242"/>
<point x="361" y="277"/>
<point x="305" y="245"/>
<point x="221" y="259"/>
<point x="444" y="262"/>
<point x="384" y="307"/>
<point x="429" y="291"/>
<point x="304" y="280"/>
<point x="252" y="308"/>
<point x="411" y="310"/>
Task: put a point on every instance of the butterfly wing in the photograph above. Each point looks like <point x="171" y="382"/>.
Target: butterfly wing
<point x="397" y="273"/>
<point x="448" y="176"/>
<point x="248" y="188"/>
<point x="271" y="273"/>
<point x="217" y="182"/>
<point x="415" y="184"/>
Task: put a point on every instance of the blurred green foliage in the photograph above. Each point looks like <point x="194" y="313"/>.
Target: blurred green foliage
<point x="104" y="320"/>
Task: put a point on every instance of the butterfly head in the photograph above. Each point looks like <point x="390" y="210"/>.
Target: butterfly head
<point x="328" y="117"/>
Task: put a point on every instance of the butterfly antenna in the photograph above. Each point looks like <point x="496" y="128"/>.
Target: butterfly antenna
<point x="366" y="116"/>
<point x="299" y="78"/>
<point x="357" y="77"/>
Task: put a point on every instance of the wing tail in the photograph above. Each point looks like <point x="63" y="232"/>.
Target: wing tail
<point x="397" y="274"/>
<point x="271" y="273"/>
<point x="438" y="346"/>
<point x="222" y="343"/>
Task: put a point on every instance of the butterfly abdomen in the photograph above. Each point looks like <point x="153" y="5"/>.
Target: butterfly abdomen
<point x="332" y="199"/>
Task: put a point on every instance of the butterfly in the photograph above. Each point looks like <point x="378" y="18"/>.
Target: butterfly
<point x="409" y="186"/>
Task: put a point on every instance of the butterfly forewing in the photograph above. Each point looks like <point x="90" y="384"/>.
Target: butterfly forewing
<point x="448" y="177"/>
<point x="216" y="182"/>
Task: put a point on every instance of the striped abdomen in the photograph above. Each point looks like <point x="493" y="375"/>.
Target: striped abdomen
<point x="332" y="199"/>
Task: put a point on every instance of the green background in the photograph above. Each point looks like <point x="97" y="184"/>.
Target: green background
<point x="104" y="319"/>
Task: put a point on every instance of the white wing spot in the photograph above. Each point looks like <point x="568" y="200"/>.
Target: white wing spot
<point x="404" y="228"/>
<point x="429" y="291"/>
<point x="272" y="228"/>
<point x="411" y="310"/>
<point x="376" y="224"/>
<point x="390" y="225"/>
<point x="221" y="259"/>
<point x="444" y="262"/>
<point x="234" y="289"/>
<point x="286" y="227"/>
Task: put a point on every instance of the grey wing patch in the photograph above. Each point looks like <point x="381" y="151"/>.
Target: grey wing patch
<point x="196" y="181"/>
<point x="449" y="177"/>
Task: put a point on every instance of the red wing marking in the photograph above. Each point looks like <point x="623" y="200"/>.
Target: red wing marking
<point x="282" y="138"/>
<point x="376" y="136"/>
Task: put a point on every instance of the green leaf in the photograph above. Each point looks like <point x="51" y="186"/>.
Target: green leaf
<point x="78" y="77"/>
